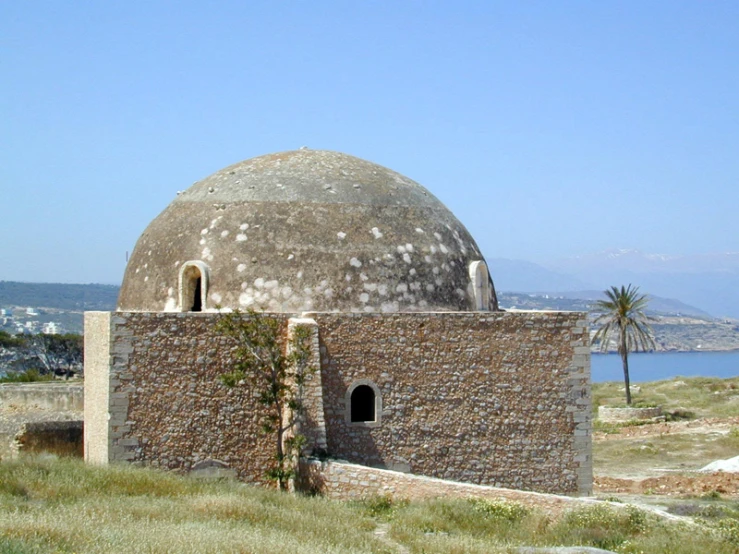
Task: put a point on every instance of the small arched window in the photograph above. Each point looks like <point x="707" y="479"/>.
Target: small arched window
<point x="363" y="403"/>
<point x="480" y="285"/>
<point x="193" y="286"/>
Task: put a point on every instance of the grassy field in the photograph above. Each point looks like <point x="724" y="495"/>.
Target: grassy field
<point x="61" y="505"/>
<point x="641" y="457"/>
<point x="680" y="398"/>
<point x="689" y="400"/>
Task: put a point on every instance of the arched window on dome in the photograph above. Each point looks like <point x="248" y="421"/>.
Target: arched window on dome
<point x="193" y="286"/>
<point x="363" y="403"/>
<point x="480" y="285"/>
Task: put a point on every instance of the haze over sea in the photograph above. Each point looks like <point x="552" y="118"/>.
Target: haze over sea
<point x="655" y="367"/>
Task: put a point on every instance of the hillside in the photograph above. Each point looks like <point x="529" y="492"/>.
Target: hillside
<point x="678" y="327"/>
<point x="73" y="298"/>
<point x="704" y="280"/>
<point x="582" y="299"/>
<point x="50" y="505"/>
<point x="661" y="462"/>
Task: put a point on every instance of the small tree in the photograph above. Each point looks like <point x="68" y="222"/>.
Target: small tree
<point x="58" y="354"/>
<point x="278" y="374"/>
<point x="47" y="354"/>
<point x="10" y="341"/>
<point x="622" y="317"/>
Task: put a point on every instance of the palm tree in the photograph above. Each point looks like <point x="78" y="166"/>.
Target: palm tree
<point x="622" y="317"/>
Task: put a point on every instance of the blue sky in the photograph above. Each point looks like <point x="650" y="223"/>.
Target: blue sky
<point x="550" y="129"/>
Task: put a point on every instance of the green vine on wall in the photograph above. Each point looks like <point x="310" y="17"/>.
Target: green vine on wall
<point x="278" y="372"/>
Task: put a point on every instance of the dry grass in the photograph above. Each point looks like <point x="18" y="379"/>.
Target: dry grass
<point x="640" y="457"/>
<point x="64" y="506"/>
<point x="690" y="448"/>
<point x="703" y="396"/>
<point x="458" y="527"/>
<point x="60" y="505"/>
<point x="49" y="505"/>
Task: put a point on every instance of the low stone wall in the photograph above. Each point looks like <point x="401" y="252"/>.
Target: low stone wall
<point x="345" y="481"/>
<point x="63" y="438"/>
<point x="621" y="415"/>
<point x="40" y="417"/>
<point x="62" y="397"/>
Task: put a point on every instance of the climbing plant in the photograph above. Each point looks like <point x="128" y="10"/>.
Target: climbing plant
<point x="277" y="370"/>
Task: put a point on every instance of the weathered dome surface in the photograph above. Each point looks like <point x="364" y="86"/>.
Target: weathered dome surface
<point x="305" y="230"/>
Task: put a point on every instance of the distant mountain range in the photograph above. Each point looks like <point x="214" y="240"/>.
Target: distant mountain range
<point x="73" y="298"/>
<point x="678" y="326"/>
<point x="708" y="283"/>
<point x="582" y="300"/>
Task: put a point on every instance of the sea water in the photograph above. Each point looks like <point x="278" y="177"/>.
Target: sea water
<point x="665" y="365"/>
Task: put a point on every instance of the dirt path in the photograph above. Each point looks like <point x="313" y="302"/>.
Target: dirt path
<point x="381" y="532"/>
<point x="699" y="484"/>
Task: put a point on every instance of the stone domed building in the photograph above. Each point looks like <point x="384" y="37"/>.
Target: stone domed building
<point x="419" y="370"/>
<point x="306" y="230"/>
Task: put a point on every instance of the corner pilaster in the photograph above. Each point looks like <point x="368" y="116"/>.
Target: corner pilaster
<point x="312" y="423"/>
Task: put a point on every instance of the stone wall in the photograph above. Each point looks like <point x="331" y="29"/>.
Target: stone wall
<point x="622" y="415"/>
<point x="63" y="397"/>
<point x="36" y="417"/>
<point x="345" y="481"/>
<point x="490" y="398"/>
<point x="101" y="415"/>
<point x="311" y="422"/>
<point x="167" y="405"/>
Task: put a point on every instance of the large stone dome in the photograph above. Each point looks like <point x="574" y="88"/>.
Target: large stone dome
<point x="306" y="230"/>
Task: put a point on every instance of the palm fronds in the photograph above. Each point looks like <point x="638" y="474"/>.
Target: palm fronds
<point x="622" y="319"/>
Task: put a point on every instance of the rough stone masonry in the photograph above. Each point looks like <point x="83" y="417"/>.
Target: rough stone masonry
<point x="490" y="398"/>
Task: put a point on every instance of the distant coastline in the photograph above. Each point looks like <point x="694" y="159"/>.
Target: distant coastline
<point x="34" y="307"/>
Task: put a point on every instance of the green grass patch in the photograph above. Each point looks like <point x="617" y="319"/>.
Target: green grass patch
<point x="64" y="506"/>
<point x="381" y="506"/>
<point x="682" y="399"/>
<point x="49" y="505"/>
<point x="28" y="376"/>
<point x="442" y="526"/>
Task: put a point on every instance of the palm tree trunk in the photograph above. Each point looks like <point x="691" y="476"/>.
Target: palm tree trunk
<point x="625" y="359"/>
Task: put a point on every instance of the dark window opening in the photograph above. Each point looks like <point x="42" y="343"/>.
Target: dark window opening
<point x="363" y="404"/>
<point x="193" y="287"/>
<point x="197" y="302"/>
